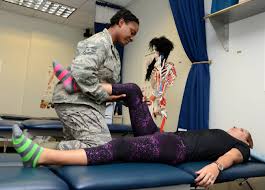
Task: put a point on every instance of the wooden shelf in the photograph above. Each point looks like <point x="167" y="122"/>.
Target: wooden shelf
<point x="221" y="19"/>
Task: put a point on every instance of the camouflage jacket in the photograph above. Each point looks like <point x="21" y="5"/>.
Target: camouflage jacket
<point x="96" y="61"/>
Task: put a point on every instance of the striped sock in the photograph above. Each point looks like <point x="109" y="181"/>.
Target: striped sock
<point x="29" y="151"/>
<point x="65" y="76"/>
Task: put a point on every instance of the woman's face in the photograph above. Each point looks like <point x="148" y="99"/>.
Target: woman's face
<point x="127" y="31"/>
<point x="239" y="133"/>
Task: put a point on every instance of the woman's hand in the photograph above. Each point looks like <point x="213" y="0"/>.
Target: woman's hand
<point x="207" y="175"/>
<point x="114" y="98"/>
<point x="107" y="87"/>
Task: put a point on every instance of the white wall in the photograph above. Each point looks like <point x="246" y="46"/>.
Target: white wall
<point x="27" y="48"/>
<point x="237" y="95"/>
<point x="156" y="20"/>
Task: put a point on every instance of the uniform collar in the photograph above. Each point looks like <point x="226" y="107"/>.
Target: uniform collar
<point x="109" y="38"/>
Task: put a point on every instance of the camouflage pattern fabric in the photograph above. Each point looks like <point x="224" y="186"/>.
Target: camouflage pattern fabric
<point x="82" y="113"/>
<point x="84" y="127"/>
<point x="97" y="61"/>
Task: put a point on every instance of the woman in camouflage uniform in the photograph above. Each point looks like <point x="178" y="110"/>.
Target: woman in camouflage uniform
<point x="97" y="62"/>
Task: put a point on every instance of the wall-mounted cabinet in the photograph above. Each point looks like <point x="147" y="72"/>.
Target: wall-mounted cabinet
<point x="221" y="19"/>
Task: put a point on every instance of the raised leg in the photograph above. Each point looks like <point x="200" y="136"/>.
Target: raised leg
<point x="141" y="119"/>
<point x="65" y="76"/>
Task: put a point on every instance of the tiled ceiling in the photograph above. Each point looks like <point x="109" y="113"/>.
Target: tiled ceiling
<point x="83" y="17"/>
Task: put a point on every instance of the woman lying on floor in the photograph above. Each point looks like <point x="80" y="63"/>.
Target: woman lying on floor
<point x="148" y="145"/>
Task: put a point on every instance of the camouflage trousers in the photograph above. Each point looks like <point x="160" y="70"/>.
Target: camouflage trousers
<point x="84" y="127"/>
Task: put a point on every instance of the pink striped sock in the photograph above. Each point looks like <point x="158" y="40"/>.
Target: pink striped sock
<point x="65" y="76"/>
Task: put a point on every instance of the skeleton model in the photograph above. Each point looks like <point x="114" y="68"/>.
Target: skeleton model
<point x="160" y="75"/>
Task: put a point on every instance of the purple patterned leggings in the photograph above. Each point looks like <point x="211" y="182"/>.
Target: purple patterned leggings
<point x="148" y="145"/>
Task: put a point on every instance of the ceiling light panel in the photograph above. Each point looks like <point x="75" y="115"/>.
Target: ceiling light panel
<point x="45" y="6"/>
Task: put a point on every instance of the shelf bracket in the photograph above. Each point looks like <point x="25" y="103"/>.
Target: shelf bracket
<point x="222" y="31"/>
